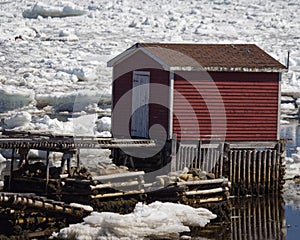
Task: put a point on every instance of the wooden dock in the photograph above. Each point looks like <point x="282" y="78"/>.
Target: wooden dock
<point x="75" y="182"/>
<point x="253" y="168"/>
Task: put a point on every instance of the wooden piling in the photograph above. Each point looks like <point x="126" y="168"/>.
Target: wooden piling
<point x="47" y="172"/>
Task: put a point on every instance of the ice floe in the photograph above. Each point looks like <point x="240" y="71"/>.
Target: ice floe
<point x="156" y="220"/>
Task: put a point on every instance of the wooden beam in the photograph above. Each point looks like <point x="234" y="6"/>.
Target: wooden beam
<point x="253" y="145"/>
<point x="118" y="175"/>
<point x="207" y="191"/>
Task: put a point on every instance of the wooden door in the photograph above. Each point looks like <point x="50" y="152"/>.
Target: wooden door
<point x="140" y="104"/>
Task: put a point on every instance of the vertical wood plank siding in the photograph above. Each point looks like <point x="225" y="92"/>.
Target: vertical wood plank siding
<point x="251" y="171"/>
<point x="250" y="101"/>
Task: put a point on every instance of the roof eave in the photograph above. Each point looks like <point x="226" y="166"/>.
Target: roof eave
<point x="226" y="69"/>
<point x="129" y="52"/>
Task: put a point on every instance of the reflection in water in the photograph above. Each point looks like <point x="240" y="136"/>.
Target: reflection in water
<point x="251" y="218"/>
<point x="258" y="218"/>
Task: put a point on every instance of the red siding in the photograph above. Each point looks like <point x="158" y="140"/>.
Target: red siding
<point x="120" y="122"/>
<point x="158" y="108"/>
<point x="250" y="101"/>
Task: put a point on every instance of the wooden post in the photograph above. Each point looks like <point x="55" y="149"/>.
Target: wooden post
<point x="273" y="178"/>
<point x="78" y="158"/>
<point x="244" y="176"/>
<point x="231" y="170"/>
<point x="11" y="168"/>
<point x="258" y="170"/>
<point x="264" y="171"/>
<point x="47" y="172"/>
<point x="269" y="157"/>
<point x="225" y="166"/>
<point x="282" y="164"/>
<point x="62" y="164"/>
<point x="199" y="155"/>
<point x="69" y="166"/>
<point x="249" y="172"/>
<point x="173" y="153"/>
<point x="254" y="179"/>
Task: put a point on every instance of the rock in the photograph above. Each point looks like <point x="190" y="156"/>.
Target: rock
<point x="185" y="176"/>
<point x="194" y="171"/>
<point x="210" y="176"/>
<point x="202" y="174"/>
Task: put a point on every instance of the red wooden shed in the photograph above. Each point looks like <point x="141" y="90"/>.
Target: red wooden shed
<point x="214" y="106"/>
<point x="227" y="92"/>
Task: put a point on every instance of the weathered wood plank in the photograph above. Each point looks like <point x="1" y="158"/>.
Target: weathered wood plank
<point x="118" y="175"/>
<point x="253" y="145"/>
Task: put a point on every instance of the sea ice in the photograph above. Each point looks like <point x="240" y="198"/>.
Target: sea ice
<point x="17" y="120"/>
<point x="40" y="9"/>
<point x="156" y="220"/>
<point x="12" y="97"/>
<point x="104" y="124"/>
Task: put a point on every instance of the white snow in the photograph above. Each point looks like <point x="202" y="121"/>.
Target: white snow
<point x="156" y="220"/>
<point x="53" y="54"/>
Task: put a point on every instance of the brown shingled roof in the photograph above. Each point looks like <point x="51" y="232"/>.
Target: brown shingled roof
<point x="214" y="57"/>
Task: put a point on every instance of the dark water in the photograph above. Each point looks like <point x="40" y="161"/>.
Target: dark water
<point x="292" y="215"/>
<point x="255" y="218"/>
<point x="292" y="210"/>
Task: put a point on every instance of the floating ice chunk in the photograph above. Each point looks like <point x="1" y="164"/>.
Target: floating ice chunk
<point x="284" y="122"/>
<point x="156" y="220"/>
<point x="104" y="124"/>
<point x="289" y="160"/>
<point x="296" y="157"/>
<point x="40" y="9"/>
<point x="25" y="33"/>
<point x="17" y="120"/>
<point x="287" y="98"/>
<point x="84" y="125"/>
<point x="12" y="98"/>
<point x="68" y="35"/>
<point x="46" y="124"/>
<point x="287" y="106"/>
<point x="71" y="102"/>
<point x="2" y="159"/>
<point x="104" y="134"/>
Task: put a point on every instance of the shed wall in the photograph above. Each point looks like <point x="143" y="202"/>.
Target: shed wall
<point x="245" y="105"/>
<point x="158" y="104"/>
